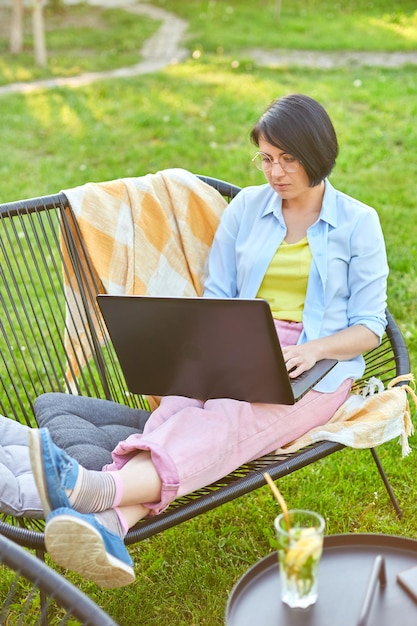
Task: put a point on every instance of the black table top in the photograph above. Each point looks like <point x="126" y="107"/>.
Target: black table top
<point x="345" y="570"/>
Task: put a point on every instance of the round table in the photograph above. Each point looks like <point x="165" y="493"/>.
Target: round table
<point x="347" y="567"/>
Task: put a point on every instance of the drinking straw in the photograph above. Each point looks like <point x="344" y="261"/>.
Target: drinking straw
<point x="280" y="499"/>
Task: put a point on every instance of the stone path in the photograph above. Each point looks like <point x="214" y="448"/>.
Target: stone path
<point x="164" y="48"/>
<point x="329" y="60"/>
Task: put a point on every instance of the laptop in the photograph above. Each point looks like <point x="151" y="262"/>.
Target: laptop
<point x="202" y="348"/>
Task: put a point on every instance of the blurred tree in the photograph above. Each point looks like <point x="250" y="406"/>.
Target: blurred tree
<point x="277" y="9"/>
<point x="277" y="4"/>
<point x="16" y="29"/>
<point x="38" y="29"/>
<point x="39" y="33"/>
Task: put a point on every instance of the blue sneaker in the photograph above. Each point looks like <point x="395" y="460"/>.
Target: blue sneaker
<point x="80" y="543"/>
<point x="53" y="469"/>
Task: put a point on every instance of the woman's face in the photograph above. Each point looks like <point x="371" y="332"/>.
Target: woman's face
<point x="288" y="185"/>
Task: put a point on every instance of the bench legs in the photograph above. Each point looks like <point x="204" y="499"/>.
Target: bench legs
<point x="386" y="483"/>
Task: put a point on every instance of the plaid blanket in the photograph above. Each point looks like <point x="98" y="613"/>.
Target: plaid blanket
<point x="145" y="235"/>
<point x="368" y="419"/>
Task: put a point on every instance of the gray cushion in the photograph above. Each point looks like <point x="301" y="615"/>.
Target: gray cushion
<point x="87" y="428"/>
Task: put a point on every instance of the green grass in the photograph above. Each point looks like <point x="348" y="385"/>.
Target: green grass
<point x="197" y="115"/>
<point x="80" y="38"/>
<point x="233" y="25"/>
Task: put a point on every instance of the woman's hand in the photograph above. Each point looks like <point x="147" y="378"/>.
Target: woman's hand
<point x="300" y="358"/>
<point x="344" y="345"/>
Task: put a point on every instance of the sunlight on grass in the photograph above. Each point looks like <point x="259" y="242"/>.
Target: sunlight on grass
<point x="403" y="25"/>
<point x="46" y="116"/>
<point x="14" y="73"/>
<point x="399" y="23"/>
<point x="71" y="120"/>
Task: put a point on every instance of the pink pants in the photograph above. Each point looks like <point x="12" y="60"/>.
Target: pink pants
<point x="194" y="443"/>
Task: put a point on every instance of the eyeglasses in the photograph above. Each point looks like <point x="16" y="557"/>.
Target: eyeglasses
<point x="264" y="162"/>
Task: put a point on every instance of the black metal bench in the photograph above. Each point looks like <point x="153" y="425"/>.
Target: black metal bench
<point x="33" y="359"/>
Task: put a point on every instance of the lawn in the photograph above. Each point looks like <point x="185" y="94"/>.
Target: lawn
<point x="197" y="115"/>
<point x="228" y="27"/>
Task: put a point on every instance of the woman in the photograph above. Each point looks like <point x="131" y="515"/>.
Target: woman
<point x="318" y="257"/>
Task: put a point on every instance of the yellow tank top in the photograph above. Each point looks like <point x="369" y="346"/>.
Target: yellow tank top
<point x="285" y="283"/>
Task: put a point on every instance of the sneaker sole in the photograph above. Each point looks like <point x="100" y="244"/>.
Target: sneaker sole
<point x="36" y="459"/>
<point x="76" y="545"/>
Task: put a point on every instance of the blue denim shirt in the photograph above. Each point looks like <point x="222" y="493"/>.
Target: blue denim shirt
<point x="348" y="274"/>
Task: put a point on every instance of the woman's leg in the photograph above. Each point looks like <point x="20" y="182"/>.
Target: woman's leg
<point x="195" y="447"/>
<point x="198" y="446"/>
<point x="87" y="543"/>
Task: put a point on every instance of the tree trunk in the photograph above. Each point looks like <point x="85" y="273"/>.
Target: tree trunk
<point x="16" y="29"/>
<point x="277" y="9"/>
<point x="39" y="33"/>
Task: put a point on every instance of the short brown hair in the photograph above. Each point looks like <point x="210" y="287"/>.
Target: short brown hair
<point x="300" y="126"/>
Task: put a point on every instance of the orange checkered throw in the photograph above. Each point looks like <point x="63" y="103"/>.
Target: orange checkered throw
<point x="145" y="235"/>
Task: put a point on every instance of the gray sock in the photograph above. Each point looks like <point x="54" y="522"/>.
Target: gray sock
<point x="111" y="520"/>
<point x="93" y="492"/>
